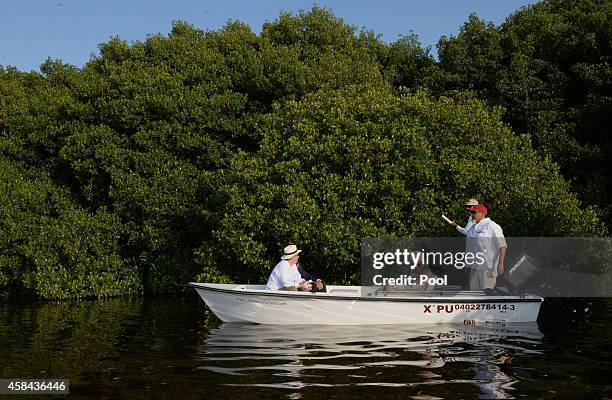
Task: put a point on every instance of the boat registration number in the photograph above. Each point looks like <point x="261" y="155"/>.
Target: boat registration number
<point x="450" y="308"/>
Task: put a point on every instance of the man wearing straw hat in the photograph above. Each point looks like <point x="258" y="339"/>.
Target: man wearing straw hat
<point x="286" y="275"/>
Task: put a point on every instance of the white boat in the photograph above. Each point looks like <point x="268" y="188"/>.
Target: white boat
<point x="358" y="305"/>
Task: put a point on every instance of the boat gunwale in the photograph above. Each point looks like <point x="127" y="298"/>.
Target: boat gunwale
<point x="429" y="297"/>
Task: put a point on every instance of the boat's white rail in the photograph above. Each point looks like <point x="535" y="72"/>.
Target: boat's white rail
<point x="364" y="292"/>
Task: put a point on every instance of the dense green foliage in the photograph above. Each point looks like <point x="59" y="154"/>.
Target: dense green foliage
<point x="204" y="153"/>
<point x="549" y="66"/>
<point x="361" y="161"/>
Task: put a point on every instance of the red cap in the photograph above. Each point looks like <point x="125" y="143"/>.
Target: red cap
<point x="478" y="207"/>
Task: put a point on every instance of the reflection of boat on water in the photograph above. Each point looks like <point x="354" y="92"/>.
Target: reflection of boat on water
<point x="324" y="356"/>
<point x="357" y="305"/>
<point x="300" y="340"/>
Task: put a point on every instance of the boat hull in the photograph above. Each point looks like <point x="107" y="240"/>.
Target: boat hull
<point x="348" y="306"/>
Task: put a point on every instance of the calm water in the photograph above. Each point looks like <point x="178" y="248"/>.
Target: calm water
<point x="170" y="348"/>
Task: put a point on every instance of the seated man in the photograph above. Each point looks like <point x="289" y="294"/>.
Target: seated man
<point x="319" y="285"/>
<point x="285" y="275"/>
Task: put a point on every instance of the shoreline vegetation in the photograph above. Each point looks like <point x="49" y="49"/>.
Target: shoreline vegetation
<point x="197" y="155"/>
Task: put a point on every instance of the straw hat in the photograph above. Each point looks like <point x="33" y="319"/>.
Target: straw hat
<point x="290" y="251"/>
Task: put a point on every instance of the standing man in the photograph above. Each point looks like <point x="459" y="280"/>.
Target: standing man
<point x="486" y="237"/>
<point x="285" y="275"/>
<point x="470" y="221"/>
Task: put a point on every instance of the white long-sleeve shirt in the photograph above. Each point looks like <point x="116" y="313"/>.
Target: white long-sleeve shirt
<point x="486" y="237"/>
<point x="284" y="275"/>
<point x="463" y="230"/>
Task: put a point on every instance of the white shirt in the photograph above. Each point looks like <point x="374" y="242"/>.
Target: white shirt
<point x="463" y="230"/>
<point x="284" y="275"/>
<point x="487" y="238"/>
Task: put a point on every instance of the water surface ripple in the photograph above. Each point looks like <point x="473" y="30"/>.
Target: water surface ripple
<point x="409" y="356"/>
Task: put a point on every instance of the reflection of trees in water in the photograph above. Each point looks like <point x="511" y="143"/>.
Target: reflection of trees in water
<point x="64" y="339"/>
<point x="422" y="357"/>
<point x="105" y="347"/>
